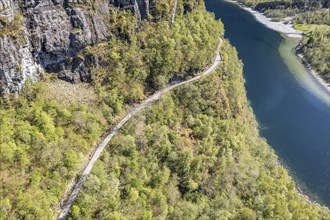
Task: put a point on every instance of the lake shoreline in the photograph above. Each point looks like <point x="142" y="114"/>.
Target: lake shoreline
<point x="313" y="74"/>
<point x="281" y="27"/>
<point x="288" y="30"/>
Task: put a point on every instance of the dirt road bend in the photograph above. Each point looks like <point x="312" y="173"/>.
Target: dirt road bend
<point x="67" y="205"/>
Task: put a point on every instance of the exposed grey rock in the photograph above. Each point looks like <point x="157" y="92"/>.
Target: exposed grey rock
<point x="140" y="7"/>
<point x="54" y="32"/>
<point x="6" y="9"/>
<point x="16" y="64"/>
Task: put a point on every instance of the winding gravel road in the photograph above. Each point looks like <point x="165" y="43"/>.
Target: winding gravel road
<point x="66" y="207"/>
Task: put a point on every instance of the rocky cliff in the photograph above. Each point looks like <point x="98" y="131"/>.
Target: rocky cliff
<point x="38" y="36"/>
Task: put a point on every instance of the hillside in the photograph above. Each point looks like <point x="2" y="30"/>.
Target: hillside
<point x="196" y="154"/>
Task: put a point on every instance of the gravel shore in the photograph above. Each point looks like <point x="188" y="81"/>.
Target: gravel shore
<point x="286" y="28"/>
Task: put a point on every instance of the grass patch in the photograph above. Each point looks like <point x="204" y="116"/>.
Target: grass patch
<point x="301" y="27"/>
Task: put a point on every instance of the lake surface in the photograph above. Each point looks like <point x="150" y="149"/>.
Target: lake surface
<point x="295" y="122"/>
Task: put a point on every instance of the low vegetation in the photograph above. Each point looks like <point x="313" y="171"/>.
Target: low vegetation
<point x="11" y="28"/>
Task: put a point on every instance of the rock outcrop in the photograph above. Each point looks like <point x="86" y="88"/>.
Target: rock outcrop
<point x="51" y="35"/>
<point x="48" y="36"/>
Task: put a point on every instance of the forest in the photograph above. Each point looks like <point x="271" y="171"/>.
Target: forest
<point x="45" y="139"/>
<point x="310" y="16"/>
<point x="196" y="154"/>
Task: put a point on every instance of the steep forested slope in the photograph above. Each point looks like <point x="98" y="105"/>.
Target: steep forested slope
<point x="48" y="131"/>
<point x="309" y="16"/>
<point x="196" y="154"/>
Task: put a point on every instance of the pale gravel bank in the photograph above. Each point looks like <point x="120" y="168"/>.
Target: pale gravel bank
<point x="287" y="29"/>
<point x="282" y="27"/>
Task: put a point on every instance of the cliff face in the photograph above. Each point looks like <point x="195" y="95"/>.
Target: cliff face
<point x="47" y="35"/>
